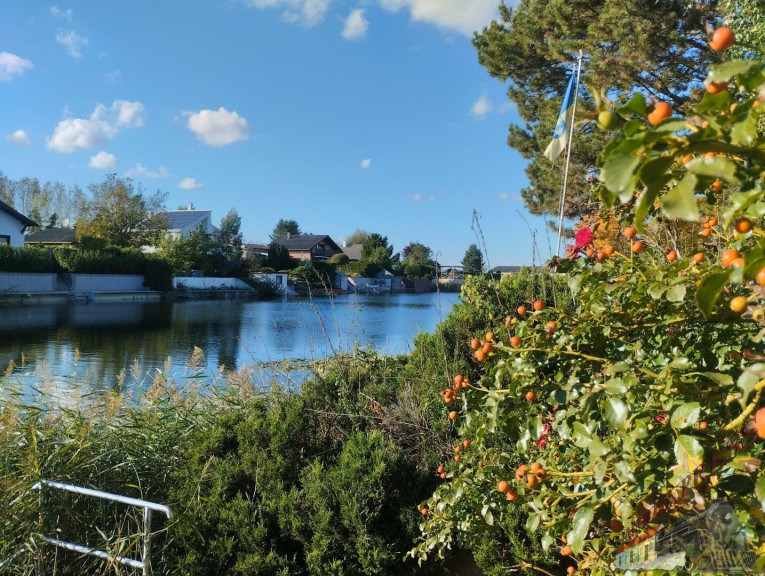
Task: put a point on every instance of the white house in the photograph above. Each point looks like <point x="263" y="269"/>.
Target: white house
<point x="13" y="225"/>
<point x="181" y="223"/>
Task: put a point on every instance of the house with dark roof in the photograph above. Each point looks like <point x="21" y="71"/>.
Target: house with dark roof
<point x="310" y="246"/>
<point x="13" y="224"/>
<point x="52" y="238"/>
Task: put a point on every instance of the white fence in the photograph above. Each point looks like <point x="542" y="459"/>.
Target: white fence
<point x="194" y="283"/>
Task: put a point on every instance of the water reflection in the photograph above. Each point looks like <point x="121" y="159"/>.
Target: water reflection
<point x="110" y="344"/>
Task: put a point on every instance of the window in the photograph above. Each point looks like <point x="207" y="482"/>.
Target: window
<point x="5" y="239"/>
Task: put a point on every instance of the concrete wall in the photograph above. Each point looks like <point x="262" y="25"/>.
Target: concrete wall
<point x="17" y="282"/>
<point x="9" y="226"/>
<point x="209" y="283"/>
<point x="108" y="283"/>
<point x="32" y="283"/>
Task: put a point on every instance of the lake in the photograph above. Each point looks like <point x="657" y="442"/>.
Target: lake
<point x="127" y="345"/>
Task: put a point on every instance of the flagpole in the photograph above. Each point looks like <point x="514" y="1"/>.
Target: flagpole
<point x="568" y="156"/>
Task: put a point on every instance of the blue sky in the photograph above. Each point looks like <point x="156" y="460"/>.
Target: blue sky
<point x="372" y="114"/>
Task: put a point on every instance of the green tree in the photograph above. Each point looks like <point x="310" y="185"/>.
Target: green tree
<point x="472" y="262"/>
<point x="228" y="246"/>
<point x="418" y="261"/>
<point x="377" y="255"/>
<point x="358" y="237"/>
<point x="192" y="253"/>
<point x="279" y="257"/>
<point x="655" y="48"/>
<point x="285" y="226"/>
<point x="121" y="215"/>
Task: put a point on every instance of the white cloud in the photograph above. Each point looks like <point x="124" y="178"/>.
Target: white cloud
<point x="355" y="25"/>
<point x="59" y="13"/>
<point x="366" y="163"/>
<point x="189" y="184"/>
<point x="103" y="125"/>
<point x="420" y="198"/>
<point x="481" y="108"/>
<point x="12" y="65"/>
<point x="218" y="127"/>
<point x="72" y="42"/>
<point x="128" y="114"/>
<point x="103" y="161"/>
<point x="18" y="138"/>
<point x="305" y="12"/>
<point x="460" y="15"/>
<point x="504" y="196"/>
<point x="114" y="76"/>
<point x="143" y="172"/>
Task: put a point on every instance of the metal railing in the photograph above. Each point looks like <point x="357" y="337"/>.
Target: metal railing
<point x="148" y="508"/>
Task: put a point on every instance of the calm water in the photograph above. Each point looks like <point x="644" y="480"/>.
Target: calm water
<point x="113" y="344"/>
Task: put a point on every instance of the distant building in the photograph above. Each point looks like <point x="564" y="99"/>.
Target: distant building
<point x="254" y="251"/>
<point x="52" y="238"/>
<point x="181" y="223"/>
<point x="503" y="271"/>
<point x="13" y="224"/>
<point x="309" y="246"/>
<point x="353" y="252"/>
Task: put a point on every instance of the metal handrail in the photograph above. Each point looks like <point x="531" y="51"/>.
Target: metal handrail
<point x="147" y="506"/>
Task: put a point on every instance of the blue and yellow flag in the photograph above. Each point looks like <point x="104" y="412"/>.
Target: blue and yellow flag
<point x="558" y="143"/>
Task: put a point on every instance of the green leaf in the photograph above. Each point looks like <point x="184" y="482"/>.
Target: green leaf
<point x="671" y="125"/>
<point x="721" y="379"/>
<point x="582" y="437"/>
<point x="532" y="522"/>
<point x="547" y="541"/>
<point x="727" y="70"/>
<point x="709" y="291"/>
<point x="744" y="132"/>
<point x="580" y="526"/>
<point x="748" y="380"/>
<point x="680" y="202"/>
<point x="714" y="102"/>
<point x="759" y="490"/>
<point x="615" y="412"/>
<point x="615" y="387"/>
<point x="623" y="472"/>
<point x="489" y="517"/>
<point x="676" y="293"/>
<point x="717" y="167"/>
<point x="618" y="174"/>
<point x="597" y="448"/>
<point x="688" y="451"/>
<point x="635" y="105"/>
<point x="739" y="203"/>
<point x="685" y="415"/>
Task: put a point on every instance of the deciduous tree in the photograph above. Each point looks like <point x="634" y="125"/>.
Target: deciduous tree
<point x="418" y="261"/>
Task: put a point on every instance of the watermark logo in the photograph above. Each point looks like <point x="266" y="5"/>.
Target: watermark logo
<point x="711" y="541"/>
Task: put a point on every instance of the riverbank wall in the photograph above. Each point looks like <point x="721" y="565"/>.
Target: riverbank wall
<point x="28" y="288"/>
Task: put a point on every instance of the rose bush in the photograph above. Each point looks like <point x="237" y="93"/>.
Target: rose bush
<point x="637" y="407"/>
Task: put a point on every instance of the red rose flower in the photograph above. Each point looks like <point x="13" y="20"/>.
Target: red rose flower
<point x="583" y="237"/>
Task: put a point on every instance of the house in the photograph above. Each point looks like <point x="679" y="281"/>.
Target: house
<point x="254" y="251"/>
<point x="52" y="238"/>
<point x="181" y="223"/>
<point x="503" y="271"/>
<point x="13" y="225"/>
<point x="309" y="246"/>
<point x="353" y="252"/>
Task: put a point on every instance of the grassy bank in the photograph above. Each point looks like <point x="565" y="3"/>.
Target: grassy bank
<point x="325" y="481"/>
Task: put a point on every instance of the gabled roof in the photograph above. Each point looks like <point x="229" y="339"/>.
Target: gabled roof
<point x="51" y="236"/>
<point x="353" y="251"/>
<point x="306" y="242"/>
<point x="17" y="215"/>
<point x="180" y="219"/>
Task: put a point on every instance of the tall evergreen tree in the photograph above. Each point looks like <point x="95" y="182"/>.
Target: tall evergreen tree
<point x="656" y="47"/>
<point x="472" y="262"/>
